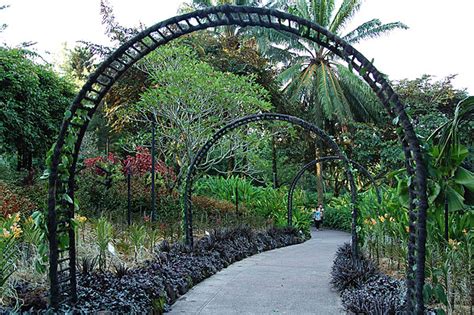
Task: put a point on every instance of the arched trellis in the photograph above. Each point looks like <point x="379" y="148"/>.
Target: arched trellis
<point x="202" y="153"/>
<point x="311" y="164"/>
<point x="62" y="159"/>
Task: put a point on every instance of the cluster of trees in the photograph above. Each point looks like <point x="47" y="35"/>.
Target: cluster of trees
<point x="191" y="87"/>
<point x="188" y="89"/>
<point x="232" y="72"/>
<point x="33" y="99"/>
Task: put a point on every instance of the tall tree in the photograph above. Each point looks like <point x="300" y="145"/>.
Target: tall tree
<point x="331" y="95"/>
<point x="32" y="103"/>
<point x="188" y="100"/>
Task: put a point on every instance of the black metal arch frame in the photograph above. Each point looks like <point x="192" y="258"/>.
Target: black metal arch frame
<point x="309" y="165"/>
<point x="63" y="158"/>
<point x="202" y="153"/>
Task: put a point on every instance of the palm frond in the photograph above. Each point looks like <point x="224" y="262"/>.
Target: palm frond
<point x="363" y="28"/>
<point x="283" y="57"/>
<point x="344" y="14"/>
<point x="372" y="30"/>
<point x="269" y="36"/>
<point x="267" y="40"/>
<point x="282" y="5"/>
<point x="343" y="108"/>
<point x="201" y="4"/>
<point x="279" y="55"/>
<point x="323" y="9"/>
<point x="290" y="73"/>
<point x="302" y="9"/>
<point x="326" y="94"/>
<point x="300" y="87"/>
<point x="364" y="104"/>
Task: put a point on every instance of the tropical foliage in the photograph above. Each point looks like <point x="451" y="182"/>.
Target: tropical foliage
<point x="185" y="91"/>
<point x="32" y="104"/>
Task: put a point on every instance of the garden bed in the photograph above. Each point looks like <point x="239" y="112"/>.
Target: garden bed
<point x="363" y="288"/>
<point x="175" y="268"/>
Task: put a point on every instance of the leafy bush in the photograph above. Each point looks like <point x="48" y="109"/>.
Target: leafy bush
<point x="348" y="273"/>
<point x="12" y="203"/>
<point x="380" y="295"/>
<point x="266" y="203"/>
<point x="227" y="189"/>
<point x="338" y="214"/>
<point x="214" y="207"/>
<point x="137" y="234"/>
<point x="103" y="185"/>
<point x="302" y="219"/>
<point x="364" y="290"/>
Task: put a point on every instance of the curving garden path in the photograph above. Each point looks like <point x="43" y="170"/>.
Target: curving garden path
<point x="289" y="280"/>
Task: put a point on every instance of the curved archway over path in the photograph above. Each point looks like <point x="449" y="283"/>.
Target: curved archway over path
<point x="202" y="153"/>
<point x="311" y="164"/>
<point x="62" y="159"/>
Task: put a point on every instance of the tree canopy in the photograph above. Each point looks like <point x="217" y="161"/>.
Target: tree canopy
<point x="33" y="99"/>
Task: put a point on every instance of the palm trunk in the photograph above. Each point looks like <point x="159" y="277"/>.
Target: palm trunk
<point x="319" y="175"/>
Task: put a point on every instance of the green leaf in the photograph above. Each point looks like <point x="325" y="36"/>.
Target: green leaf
<point x="434" y="189"/>
<point x="455" y="200"/>
<point x="464" y="177"/>
<point x="67" y="114"/>
<point x="65" y="160"/>
<point x="76" y="205"/>
<point x="40" y="267"/>
<point x="395" y="120"/>
<point x="45" y="174"/>
<point x="402" y="191"/>
<point x="440" y="294"/>
<point x="427" y="292"/>
<point x="68" y="198"/>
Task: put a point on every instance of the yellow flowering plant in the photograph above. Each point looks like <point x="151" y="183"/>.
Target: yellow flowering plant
<point x="79" y="223"/>
<point x="10" y="231"/>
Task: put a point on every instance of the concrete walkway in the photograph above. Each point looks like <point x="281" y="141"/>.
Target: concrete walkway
<point x="289" y="280"/>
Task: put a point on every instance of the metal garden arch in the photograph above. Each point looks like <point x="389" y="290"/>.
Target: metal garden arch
<point x="309" y="165"/>
<point x="201" y="154"/>
<point x="63" y="157"/>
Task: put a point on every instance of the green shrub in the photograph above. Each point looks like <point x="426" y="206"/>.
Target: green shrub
<point x="338" y="214"/>
<point x="338" y="219"/>
<point x="264" y="205"/>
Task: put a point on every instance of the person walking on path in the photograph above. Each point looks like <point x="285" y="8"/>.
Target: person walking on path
<point x="318" y="216"/>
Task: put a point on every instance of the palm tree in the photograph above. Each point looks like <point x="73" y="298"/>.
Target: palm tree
<point x="331" y="94"/>
<point x="313" y="74"/>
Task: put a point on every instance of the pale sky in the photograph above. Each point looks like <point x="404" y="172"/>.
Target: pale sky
<point x="439" y="40"/>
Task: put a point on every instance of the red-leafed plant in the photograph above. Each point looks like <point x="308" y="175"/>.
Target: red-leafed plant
<point x="101" y="165"/>
<point x="11" y="202"/>
<point x="140" y="164"/>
